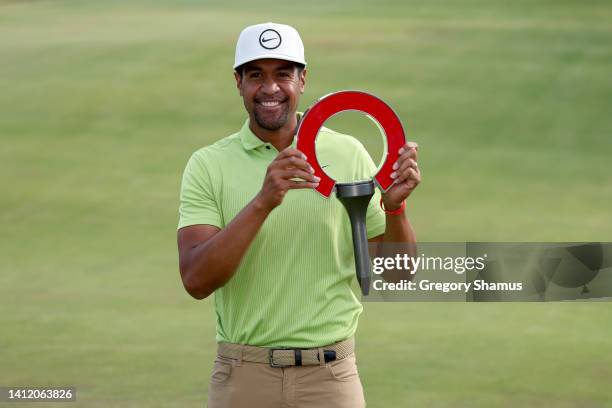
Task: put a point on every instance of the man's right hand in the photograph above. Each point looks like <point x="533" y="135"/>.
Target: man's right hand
<point x="289" y="164"/>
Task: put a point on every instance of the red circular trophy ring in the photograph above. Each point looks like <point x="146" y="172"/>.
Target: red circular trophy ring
<point x="336" y="102"/>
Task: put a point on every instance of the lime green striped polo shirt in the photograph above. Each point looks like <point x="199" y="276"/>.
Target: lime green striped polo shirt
<point x="293" y="286"/>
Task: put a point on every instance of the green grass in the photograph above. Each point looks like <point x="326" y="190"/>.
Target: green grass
<point x="101" y="104"/>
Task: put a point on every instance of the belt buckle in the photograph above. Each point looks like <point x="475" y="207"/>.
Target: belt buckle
<point x="271" y="359"/>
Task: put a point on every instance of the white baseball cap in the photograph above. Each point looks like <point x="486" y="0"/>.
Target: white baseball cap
<point x="269" y="40"/>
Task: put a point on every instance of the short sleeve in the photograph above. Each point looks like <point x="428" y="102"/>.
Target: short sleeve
<point x="197" y="199"/>
<point x="365" y="169"/>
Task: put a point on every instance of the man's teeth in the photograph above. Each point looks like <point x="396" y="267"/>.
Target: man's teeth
<point x="270" y="103"/>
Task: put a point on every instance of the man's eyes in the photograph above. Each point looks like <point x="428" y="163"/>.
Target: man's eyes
<point x="285" y="75"/>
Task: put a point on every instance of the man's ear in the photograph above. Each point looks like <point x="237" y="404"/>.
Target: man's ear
<point x="302" y="80"/>
<point x="238" y="78"/>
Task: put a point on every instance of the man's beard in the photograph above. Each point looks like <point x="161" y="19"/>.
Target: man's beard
<point x="272" y="121"/>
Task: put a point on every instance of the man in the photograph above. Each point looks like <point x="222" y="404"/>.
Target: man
<point x="277" y="255"/>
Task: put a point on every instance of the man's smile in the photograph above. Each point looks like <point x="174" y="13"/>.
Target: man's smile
<point x="272" y="103"/>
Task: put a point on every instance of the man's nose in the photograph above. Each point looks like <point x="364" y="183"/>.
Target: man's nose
<point x="270" y="86"/>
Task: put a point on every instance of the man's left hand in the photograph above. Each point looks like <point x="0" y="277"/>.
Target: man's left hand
<point x="406" y="176"/>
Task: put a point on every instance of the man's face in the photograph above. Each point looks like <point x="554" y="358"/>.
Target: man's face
<point x="271" y="90"/>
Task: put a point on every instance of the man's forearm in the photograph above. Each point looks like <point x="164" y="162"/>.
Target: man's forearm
<point x="399" y="233"/>
<point x="398" y="229"/>
<point x="214" y="262"/>
<point x="210" y="264"/>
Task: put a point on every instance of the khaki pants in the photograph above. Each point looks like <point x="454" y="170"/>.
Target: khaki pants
<point x="238" y="384"/>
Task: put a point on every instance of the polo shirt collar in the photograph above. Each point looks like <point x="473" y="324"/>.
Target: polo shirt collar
<point x="248" y="138"/>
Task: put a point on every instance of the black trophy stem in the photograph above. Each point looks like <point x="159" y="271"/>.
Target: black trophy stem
<point x="355" y="197"/>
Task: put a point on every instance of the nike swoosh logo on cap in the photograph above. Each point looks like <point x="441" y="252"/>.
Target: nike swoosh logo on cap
<point x="268" y="39"/>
